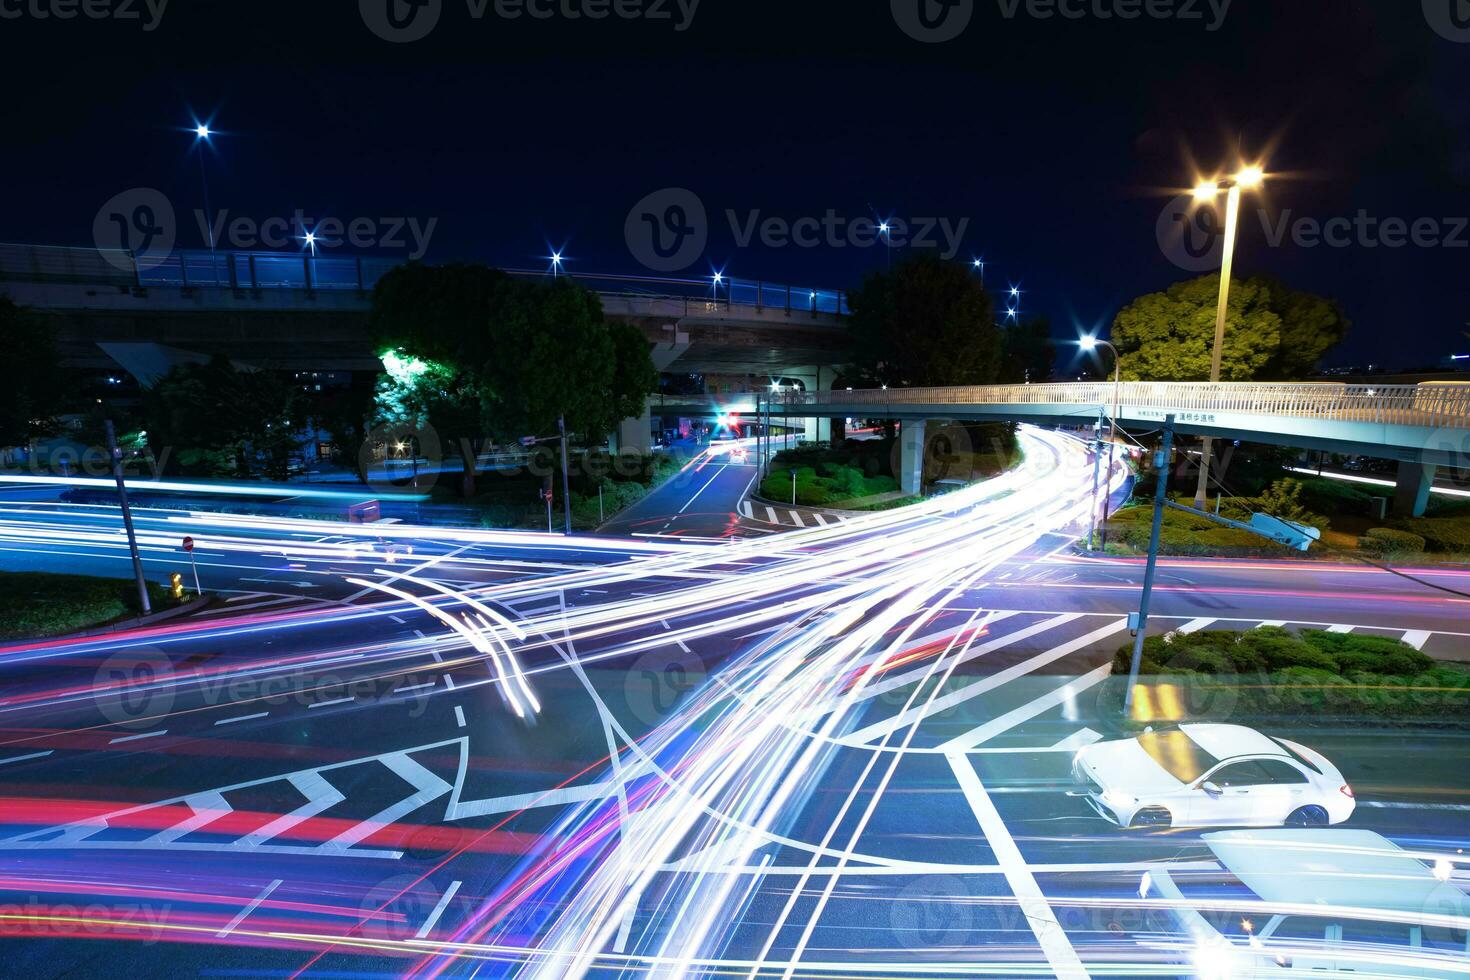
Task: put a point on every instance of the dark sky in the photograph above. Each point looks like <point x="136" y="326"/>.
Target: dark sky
<point x="1058" y="141"/>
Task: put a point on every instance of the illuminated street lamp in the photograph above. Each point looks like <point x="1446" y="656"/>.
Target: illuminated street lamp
<point x="1090" y="344"/>
<point x="202" y="134"/>
<point x="1207" y="192"/>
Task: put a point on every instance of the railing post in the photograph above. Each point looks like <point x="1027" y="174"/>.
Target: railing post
<point x="306" y="271"/>
<point x="254" y="279"/>
<point x="361" y="288"/>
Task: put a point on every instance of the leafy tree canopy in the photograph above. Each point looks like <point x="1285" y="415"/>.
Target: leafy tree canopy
<point x="217" y="420"/>
<point x="504" y="357"/>
<point x="35" y="394"/>
<point x="927" y="322"/>
<point x="1271" y="332"/>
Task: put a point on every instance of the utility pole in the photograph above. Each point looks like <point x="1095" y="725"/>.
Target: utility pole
<point x="127" y="516"/>
<point x="1161" y="495"/>
<point x="566" y="476"/>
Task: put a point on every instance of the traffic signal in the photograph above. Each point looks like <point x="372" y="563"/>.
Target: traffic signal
<point x="176" y="582"/>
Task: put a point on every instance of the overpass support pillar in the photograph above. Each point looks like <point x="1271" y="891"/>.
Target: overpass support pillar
<point x="816" y="379"/>
<point x="911" y="457"/>
<point x="1411" y="492"/>
<point x="635" y="435"/>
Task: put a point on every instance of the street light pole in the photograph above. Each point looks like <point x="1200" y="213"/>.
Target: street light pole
<point x="127" y="516"/>
<point x="1161" y="495"/>
<point x="1251" y="176"/>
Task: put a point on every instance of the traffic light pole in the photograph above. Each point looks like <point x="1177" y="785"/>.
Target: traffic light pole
<point x="127" y="516"/>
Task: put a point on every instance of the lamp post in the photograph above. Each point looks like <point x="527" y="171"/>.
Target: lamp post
<point x="202" y="133"/>
<point x="1091" y="344"/>
<point x="1208" y="191"/>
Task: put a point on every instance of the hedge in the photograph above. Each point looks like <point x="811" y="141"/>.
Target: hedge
<point x="1446" y="534"/>
<point x="1387" y="540"/>
<point x="1273" y="672"/>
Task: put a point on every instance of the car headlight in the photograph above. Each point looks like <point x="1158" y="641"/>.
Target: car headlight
<point x="1113" y="798"/>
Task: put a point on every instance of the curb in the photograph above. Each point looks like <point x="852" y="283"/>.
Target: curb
<point x="136" y="623"/>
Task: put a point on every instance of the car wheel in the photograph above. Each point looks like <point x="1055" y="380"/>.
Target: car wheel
<point x="1308" y="816"/>
<point x="1153" y="816"/>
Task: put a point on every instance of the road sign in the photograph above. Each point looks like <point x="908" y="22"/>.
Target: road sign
<point x="546" y="495"/>
<point x="189" y="545"/>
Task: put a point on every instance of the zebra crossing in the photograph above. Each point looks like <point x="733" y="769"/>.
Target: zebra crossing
<point x="791" y="517"/>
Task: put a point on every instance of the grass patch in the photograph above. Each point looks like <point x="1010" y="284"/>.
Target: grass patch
<point x="34" y="605"/>
<point x="1272" y="672"/>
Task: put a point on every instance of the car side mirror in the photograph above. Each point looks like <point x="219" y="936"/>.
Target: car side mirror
<point x="1211" y="787"/>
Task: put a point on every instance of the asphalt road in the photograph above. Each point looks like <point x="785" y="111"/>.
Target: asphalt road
<point x="840" y="751"/>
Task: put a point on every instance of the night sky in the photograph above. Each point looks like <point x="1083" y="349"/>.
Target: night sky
<point x="1059" y="141"/>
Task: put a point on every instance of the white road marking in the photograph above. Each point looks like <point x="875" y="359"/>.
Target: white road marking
<point x="1446" y="807"/>
<point x="416" y="687"/>
<point x="771" y="514"/>
<point x="713" y="477"/>
<point x="232" y="721"/>
<point x="245" y="912"/>
<point x="746" y="510"/>
<point x="1195" y="625"/>
<point x="864" y="735"/>
<point x="1341" y="629"/>
<point x="1278" y="623"/>
<point x="1055" y="946"/>
<point x="1014" y="717"/>
<point x="459" y="716"/>
<point x="328" y="704"/>
<point x="433" y="918"/>
<point x="1417" y="638"/>
<point x="429" y="788"/>
<point x="27" y="758"/>
<point x="135" y="738"/>
<point x="796" y="517"/>
<point x="530" y="801"/>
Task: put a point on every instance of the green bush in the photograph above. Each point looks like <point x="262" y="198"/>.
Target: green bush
<point x="1444" y="534"/>
<point x="1334" y="497"/>
<point x="1390" y="541"/>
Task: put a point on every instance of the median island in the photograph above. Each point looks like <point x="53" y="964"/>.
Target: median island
<point x="35" y="605"/>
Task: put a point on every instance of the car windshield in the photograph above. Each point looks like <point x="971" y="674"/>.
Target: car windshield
<point x="1179" y="755"/>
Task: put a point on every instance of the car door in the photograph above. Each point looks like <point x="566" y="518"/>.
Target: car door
<point x="1238" y="798"/>
<point x="1288" y="791"/>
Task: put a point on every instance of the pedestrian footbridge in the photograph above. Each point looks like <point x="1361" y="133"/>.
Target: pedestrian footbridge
<point x="1423" y="427"/>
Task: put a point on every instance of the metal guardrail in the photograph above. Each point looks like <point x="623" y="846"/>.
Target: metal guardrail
<point x="304" y="271"/>
<point x="1434" y="404"/>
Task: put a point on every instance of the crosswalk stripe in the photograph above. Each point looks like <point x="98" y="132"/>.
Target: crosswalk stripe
<point x="796" y="517"/>
<point x="822" y="521"/>
<point x="771" y="515"/>
<point x="1009" y="720"/>
<point x="1417" y="638"/>
<point x="746" y="510"/>
<point x="1341" y="629"/>
<point x="905" y="718"/>
<point x="1195" y="625"/>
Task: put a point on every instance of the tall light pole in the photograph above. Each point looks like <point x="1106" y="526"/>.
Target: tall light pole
<point x="1206" y="192"/>
<point x="202" y="133"/>
<point x="1090" y="344"/>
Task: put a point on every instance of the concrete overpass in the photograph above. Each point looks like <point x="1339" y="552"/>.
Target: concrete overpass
<point x="298" y="312"/>
<point x="1423" y="427"/>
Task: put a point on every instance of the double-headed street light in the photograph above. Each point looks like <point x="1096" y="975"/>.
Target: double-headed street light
<point x="1207" y="192"/>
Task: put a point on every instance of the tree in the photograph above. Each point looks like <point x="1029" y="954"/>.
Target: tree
<point x="1310" y="327"/>
<point x="215" y="419"/>
<point x="1271" y="332"/>
<point x="1027" y="351"/>
<point x="33" y="394"/>
<point x="927" y="322"/>
<point x="499" y="357"/>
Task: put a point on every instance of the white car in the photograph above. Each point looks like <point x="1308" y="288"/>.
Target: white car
<point x="1211" y="776"/>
